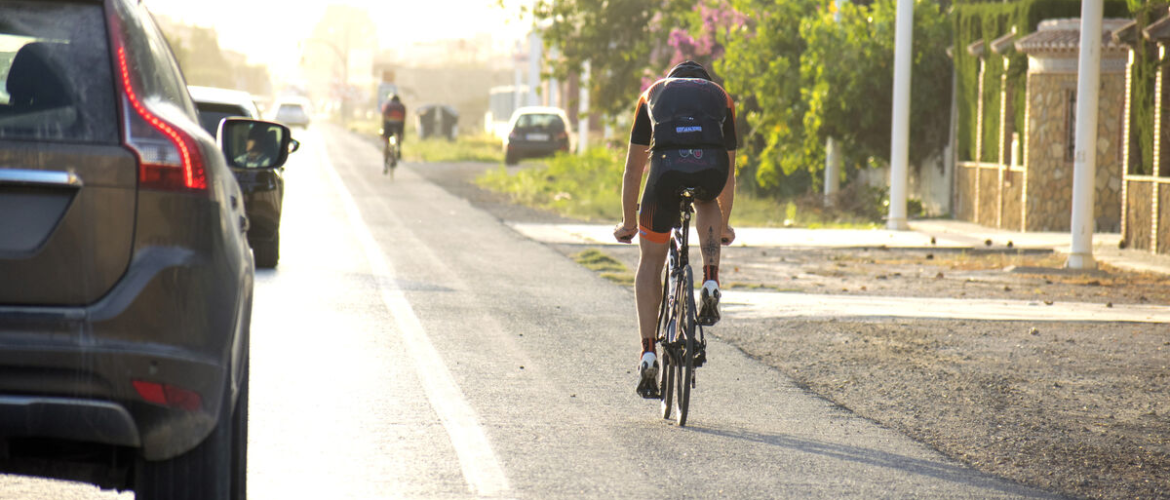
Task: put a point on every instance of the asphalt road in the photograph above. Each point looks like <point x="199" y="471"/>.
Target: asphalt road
<point x="410" y="345"/>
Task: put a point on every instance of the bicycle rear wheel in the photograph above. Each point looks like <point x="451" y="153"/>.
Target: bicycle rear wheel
<point x="666" y="383"/>
<point x="686" y="329"/>
<point x="390" y="157"/>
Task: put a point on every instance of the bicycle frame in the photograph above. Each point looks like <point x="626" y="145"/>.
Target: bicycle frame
<point x="678" y="258"/>
<point x="679" y="331"/>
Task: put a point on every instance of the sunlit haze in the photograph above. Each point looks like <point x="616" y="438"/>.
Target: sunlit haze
<point x="268" y="31"/>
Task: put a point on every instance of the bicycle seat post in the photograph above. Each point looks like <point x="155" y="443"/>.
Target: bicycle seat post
<point x="686" y="206"/>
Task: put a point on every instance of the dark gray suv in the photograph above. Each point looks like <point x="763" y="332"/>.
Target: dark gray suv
<point x="125" y="275"/>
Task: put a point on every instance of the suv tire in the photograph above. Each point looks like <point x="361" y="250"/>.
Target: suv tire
<point x="267" y="253"/>
<point x="208" y="471"/>
<point x="239" y="474"/>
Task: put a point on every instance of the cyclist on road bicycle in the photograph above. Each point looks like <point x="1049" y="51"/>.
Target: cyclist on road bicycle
<point x="393" y="121"/>
<point x="684" y="125"/>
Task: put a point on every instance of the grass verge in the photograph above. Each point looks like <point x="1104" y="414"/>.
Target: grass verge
<point x="588" y="187"/>
<point x="584" y="187"/>
<point x="608" y="267"/>
<point x="481" y="148"/>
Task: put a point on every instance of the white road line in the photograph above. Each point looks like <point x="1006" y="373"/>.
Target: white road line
<point x="481" y="469"/>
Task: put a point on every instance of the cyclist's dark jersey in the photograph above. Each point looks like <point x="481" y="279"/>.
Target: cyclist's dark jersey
<point x="689" y="125"/>
<point x="684" y="113"/>
<point x="393" y="119"/>
<point x="394" y="111"/>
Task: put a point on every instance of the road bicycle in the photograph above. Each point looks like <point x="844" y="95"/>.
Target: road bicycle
<point x="390" y="156"/>
<point x="683" y="342"/>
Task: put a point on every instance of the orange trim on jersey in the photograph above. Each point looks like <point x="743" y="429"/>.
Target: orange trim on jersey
<point x="651" y="236"/>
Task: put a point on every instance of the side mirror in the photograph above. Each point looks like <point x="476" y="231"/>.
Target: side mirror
<point x="255" y="144"/>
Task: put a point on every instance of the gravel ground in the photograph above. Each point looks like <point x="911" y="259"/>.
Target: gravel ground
<point x="1077" y="408"/>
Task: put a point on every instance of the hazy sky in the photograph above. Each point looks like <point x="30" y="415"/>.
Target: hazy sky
<point x="268" y="30"/>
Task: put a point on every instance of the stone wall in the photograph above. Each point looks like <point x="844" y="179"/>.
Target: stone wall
<point x="1137" y="214"/>
<point x="1013" y="190"/>
<point x="1164" y="219"/>
<point x="931" y="183"/>
<point x="988" y="199"/>
<point x="1050" y="171"/>
<point x="965" y="194"/>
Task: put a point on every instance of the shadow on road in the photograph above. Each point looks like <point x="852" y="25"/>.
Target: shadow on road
<point x="938" y="470"/>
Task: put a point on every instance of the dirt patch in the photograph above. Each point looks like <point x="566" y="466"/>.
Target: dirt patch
<point x="1006" y="274"/>
<point x="1072" y="407"/>
<point x="1077" y="408"/>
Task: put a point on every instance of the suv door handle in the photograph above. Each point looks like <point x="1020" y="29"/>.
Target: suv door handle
<point x="235" y="202"/>
<point x="38" y="177"/>
<point x="243" y="224"/>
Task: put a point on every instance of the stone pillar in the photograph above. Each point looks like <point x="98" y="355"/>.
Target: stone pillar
<point x="1024" y="156"/>
<point x="1125" y="114"/>
<point x="979" y="139"/>
<point x="1003" y="97"/>
<point x="582" y="111"/>
<point x="1158" y="90"/>
<point x="832" y="170"/>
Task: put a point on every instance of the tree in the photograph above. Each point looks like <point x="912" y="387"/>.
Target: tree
<point x="204" y="63"/>
<point x="623" y="40"/>
<point x="847" y="80"/>
<point x="803" y="75"/>
<point x="761" y="66"/>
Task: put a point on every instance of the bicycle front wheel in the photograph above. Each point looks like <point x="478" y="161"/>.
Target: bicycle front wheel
<point x="686" y="328"/>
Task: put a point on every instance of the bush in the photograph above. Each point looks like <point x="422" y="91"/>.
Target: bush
<point x="584" y="187"/>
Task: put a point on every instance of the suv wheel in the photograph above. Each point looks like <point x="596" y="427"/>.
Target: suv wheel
<point x="216" y="469"/>
<point x="267" y="252"/>
<point x="239" y="444"/>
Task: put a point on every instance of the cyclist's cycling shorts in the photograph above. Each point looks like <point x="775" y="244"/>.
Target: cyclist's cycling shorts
<point x="670" y="172"/>
<point x="393" y="127"/>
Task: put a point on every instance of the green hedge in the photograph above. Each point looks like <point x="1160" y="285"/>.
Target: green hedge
<point x="988" y="21"/>
<point x="1141" y="118"/>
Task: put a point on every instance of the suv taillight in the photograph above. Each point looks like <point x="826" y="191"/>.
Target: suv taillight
<point x="168" y="158"/>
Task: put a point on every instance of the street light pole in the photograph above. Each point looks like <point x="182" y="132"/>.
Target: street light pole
<point x="1085" y="164"/>
<point x="900" y="131"/>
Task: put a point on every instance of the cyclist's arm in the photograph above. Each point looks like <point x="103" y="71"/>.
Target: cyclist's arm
<point x="727" y="197"/>
<point x="632" y="182"/>
<point x="641" y="135"/>
<point x="731" y="142"/>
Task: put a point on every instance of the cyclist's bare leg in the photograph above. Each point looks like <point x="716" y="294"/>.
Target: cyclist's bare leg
<point x="648" y="285"/>
<point x="709" y="224"/>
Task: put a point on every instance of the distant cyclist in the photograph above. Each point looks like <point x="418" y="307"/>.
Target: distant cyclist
<point x="684" y="125"/>
<point x="393" y="121"/>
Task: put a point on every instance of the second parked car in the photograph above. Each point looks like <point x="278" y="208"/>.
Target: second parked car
<point x="536" y="131"/>
<point x="263" y="187"/>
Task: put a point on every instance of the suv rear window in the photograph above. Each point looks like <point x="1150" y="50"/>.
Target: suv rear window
<point x="55" y="81"/>
<point x="546" y="122"/>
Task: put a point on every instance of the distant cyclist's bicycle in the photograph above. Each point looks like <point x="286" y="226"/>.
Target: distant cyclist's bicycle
<point x="684" y="345"/>
<point x="390" y="156"/>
